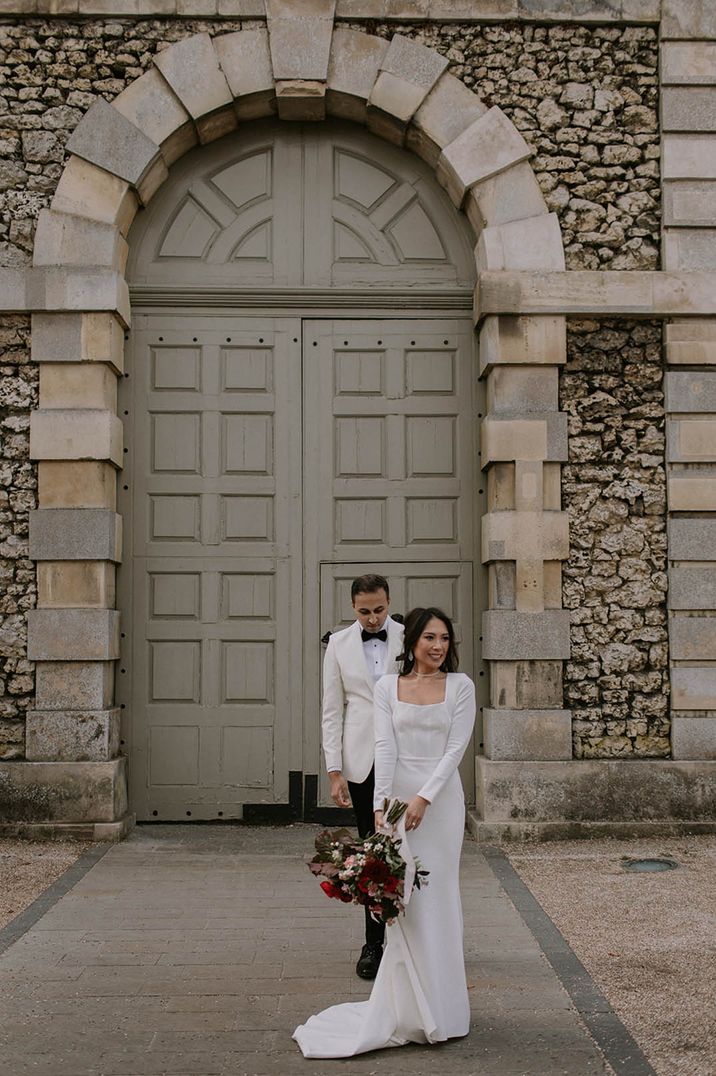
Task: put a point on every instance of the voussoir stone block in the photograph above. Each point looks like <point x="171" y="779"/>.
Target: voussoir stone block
<point x="692" y="341"/>
<point x="692" y="539"/>
<point x="149" y="104"/>
<point x="691" y="440"/>
<point x="76" y="484"/>
<point x="693" y="687"/>
<point x="63" y="791"/>
<point x="525" y="536"/>
<point x="693" y="737"/>
<point x="300" y="38"/>
<point x="191" y="67"/>
<point x="527" y="734"/>
<point x="514" y="437"/>
<point x="446" y="112"/>
<point x="75" y="534"/>
<point x="512" y="340"/>
<point x="530" y="244"/>
<point x="63" y="239"/>
<point x="408" y="72"/>
<point x="511" y="195"/>
<point x="74" y="685"/>
<point x="108" y="139"/>
<point x="78" y="384"/>
<point x="353" y="67"/>
<point x="76" y="435"/>
<point x="692" y="491"/>
<point x="246" y="62"/>
<point x="88" y="191"/>
<point x="692" y="638"/>
<point x="693" y="587"/>
<point x="72" y="735"/>
<point x="78" y="338"/>
<point x="72" y="634"/>
<point x="490" y="145"/>
<point x="511" y="635"/>
<point x="522" y="389"/>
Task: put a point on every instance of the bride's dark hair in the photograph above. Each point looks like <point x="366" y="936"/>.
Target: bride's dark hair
<point x="415" y="623"/>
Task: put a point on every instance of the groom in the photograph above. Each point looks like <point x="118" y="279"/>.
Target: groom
<point x="355" y="660"/>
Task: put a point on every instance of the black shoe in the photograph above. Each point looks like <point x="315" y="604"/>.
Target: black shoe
<point x="369" y="961"/>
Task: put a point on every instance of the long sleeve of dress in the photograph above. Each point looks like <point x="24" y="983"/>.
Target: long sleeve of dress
<point x="461" y="727"/>
<point x="386" y="750"/>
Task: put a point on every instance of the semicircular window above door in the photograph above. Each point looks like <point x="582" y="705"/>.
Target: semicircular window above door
<point x="298" y="206"/>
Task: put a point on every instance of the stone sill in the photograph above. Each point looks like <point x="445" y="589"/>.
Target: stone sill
<point x="622" y="12"/>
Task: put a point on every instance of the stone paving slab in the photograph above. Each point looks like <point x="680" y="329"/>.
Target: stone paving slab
<point x="197" y="949"/>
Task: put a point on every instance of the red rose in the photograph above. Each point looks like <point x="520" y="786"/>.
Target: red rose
<point x="331" y="890"/>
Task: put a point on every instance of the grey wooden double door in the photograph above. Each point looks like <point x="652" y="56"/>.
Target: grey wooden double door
<point x="270" y="460"/>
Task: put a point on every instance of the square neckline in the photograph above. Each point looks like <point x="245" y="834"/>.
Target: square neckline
<point x="403" y="702"/>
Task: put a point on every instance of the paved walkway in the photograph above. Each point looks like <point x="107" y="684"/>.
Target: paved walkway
<point x="195" y="950"/>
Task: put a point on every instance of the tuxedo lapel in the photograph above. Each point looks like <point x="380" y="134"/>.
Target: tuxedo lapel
<point x="395" y="644"/>
<point x="357" y="655"/>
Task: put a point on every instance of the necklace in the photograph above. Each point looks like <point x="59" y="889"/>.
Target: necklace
<point x="425" y="676"/>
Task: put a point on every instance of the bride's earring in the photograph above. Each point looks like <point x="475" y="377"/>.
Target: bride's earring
<point x="410" y="656"/>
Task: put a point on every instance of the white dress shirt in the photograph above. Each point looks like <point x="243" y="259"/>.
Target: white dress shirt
<point x="376" y="654"/>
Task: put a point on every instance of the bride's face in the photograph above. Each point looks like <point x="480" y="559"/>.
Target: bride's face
<point x="431" y="648"/>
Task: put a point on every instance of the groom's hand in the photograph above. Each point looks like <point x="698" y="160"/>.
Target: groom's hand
<point x="339" y="790"/>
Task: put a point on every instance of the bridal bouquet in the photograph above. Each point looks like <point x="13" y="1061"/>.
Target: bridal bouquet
<point x="371" y="872"/>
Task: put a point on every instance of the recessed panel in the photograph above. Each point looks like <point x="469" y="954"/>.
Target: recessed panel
<point x="247" y="180"/>
<point x="431" y="373"/>
<point x="359" y="447"/>
<point x="190" y="232"/>
<point x="175" y="518"/>
<point x="247" y="756"/>
<point x="175" y="670"/>
<point x="175" y="369"/>
<point x="431" y="445"/>
<point x="359" y="373"/>
<point x="359" y="180"/>
<point x="247" y="444"/>
<point x="175" y="595"/>
<point x="176" y="443"/>
<point x="360" y="521"/>
<point x="247" y="519"/>
<point x="247" y="672"/>
<point x="174" y="755"/>
<point x="430" y="590"/>
<point x="415" y="236"/>
<point x="431" y="519"/>
<point x="246" y="369"/>
<point x="247" y="596"/>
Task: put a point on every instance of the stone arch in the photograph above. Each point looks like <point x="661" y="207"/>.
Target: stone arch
<point x="200" y="89"/>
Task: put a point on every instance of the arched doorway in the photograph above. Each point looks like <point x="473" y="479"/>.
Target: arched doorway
<point x="300" y="407"/>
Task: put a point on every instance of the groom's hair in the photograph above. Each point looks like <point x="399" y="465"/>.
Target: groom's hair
<point x="368" y="584"/>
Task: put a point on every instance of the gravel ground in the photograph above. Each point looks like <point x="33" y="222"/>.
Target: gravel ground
<point x="649" y="940"/>
<point x="27" y="868"/>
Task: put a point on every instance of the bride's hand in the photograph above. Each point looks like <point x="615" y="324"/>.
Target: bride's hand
<point x="378" y="816"/>
<point x="414" y="813"/>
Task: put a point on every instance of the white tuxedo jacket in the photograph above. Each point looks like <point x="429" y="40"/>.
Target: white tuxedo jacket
<point x="347" y="717"/>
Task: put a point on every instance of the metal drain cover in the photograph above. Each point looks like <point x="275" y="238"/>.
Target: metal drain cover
<point x="649" y="866"/>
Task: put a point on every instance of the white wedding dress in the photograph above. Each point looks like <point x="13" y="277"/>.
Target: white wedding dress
<point x="420" y="992"/>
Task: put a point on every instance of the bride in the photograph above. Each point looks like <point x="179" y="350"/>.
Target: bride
<point x="423" y="722"/>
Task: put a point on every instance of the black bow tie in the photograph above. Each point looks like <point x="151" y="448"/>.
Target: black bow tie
<point x="366" y="636"/>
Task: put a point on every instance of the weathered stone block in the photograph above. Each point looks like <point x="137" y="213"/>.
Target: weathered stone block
<point x="407" y="74"/>
<point x="688" y="19"/>
<point x="525" y="536"/>
<point x="76" y="484"/>
<point x="505" y="437"/>
<point x="690" y="249"/>
<point x="526" y="685"/>
<point x="150" y="105"/>
<point x="88" y="191"/>
<point x="246" y="62"/>
<point x="300" y="38"/>
<point x="76" y="435"/>
<point x="688" y="63"/>
<point x="81" y="534"/>
<point x="522" y="389"/>
<point x="692" y="638"/>
<point x="511" y="195"/>
<point x="693" y="688"/>
<point x="108" y="139"/>
<point x="693" y="737"/>
<point x="527" y="734"/>
<point x="692" y="588"/>
<point x="522" y="341"/>
<point x="75" y="288"/>
<point x="689" y="203"/>
<point x="691" y="341"/>
<point x="688" y="156"/>
<point x="62" y="239"/>
<point x="524" y="244"/>
<point x="74" y="685"/>
<point x="191" y="67"/>
<point x="692" y="539"/>
<point x="490" y="145"/>
<point x="78" y="338"/>
<point x="691" y="108"/>
<point x="72" y="634"/>
<point x="446" y="112"/>
<point x="68" y="385"/>
<point x="691" y="491"/>
<point x="516" y="636"/>
<point x="63" y="791"/>
<point x="301" y="99"/>
<point x="72" y="735"/>
<point x="353" y="67"/>
<point x="691" y="440"/>
<point x="690" y="391"/>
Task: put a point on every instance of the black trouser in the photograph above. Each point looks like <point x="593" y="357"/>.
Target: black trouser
<point x="362" y="797"/>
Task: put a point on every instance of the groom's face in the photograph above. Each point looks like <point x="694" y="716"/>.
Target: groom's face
<point x="371" y="609"/>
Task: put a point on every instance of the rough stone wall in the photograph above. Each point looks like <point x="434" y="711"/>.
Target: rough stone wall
<point x="18" y="484"/>
<point x="614" y="488"/>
